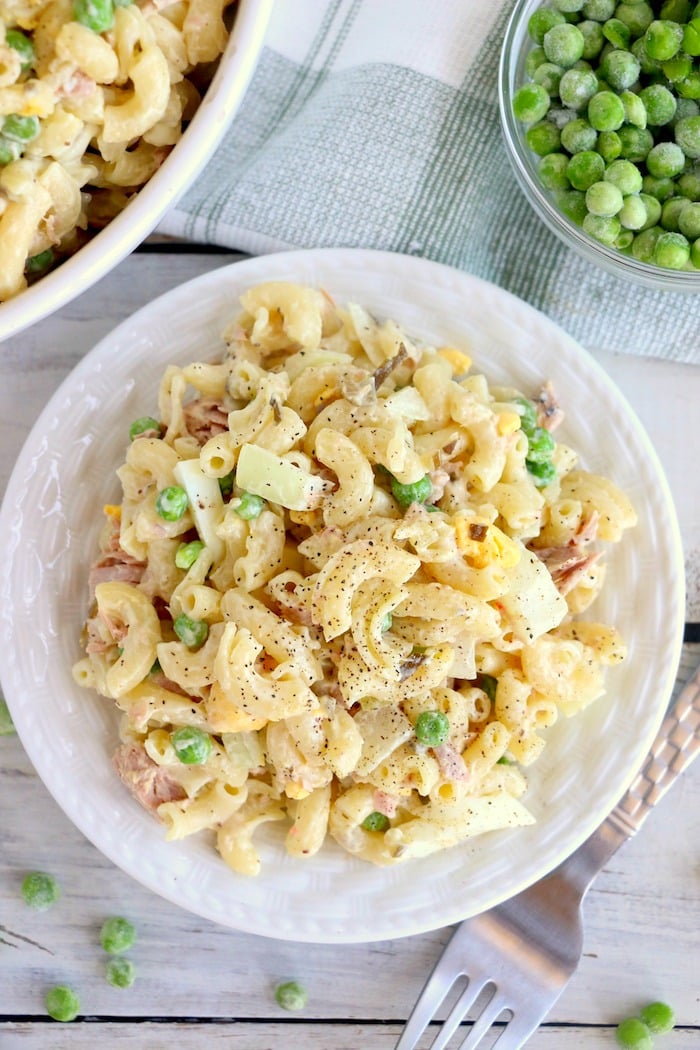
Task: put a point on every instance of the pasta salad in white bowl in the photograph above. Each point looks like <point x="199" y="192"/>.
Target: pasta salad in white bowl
<point x="359" y="591"/>
<point x="108" y="112"/>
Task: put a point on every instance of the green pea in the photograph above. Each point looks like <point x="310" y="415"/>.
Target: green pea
<point x="659" y="103"/>
<point x="635" y="143"/>
<point x="593" y="38"/>
<point x="599" y="10"/>
<point x="534" y="59"/>
<point x="617" y="33"/>
<point x="291" y="995"/>
<point x="527" y="411"/>
<point x="192" y="633"/>
<point x="567" y="7"/>
<point x="20" y="129"/>
<point x="688" y="185"/>
<point x="672" y="251"/>
<point x="577" y="87"/>
<point x="689" y="220"/>
<point x="578" y="136"/>
<point x="432" y="728"/>
<point x="644" y="244"/>
<point x="624" y="239"/>
<point x="117" y="935"/>
<point x="226" y="484"/>
<point x="620" y="69"/>
<point x="662" y="189"/>
<point x="610" y="145"/>
<point x="530" y="103"/>
<point x="665" y="160"/>
<point x="549" y="76"/>
<point x="653" y="209"/>
<point x="663" y="39"/>
<point x="573" y="204"/>
<point x="187" y="554"/>
<point x="604" y="199"/>
<point x="647" y="65"/>
<point x="584" y="169"/>
<point x="62" y="1003"/>
<point x="120" y="973"/>
<point x="545" y="473"/>
<point x="685" y="107"/>
<point x="695" y="254"/>
<point x="488" y="684"/>
<point x="375" y="822"/>
<point x="142" y="425"/>
<point x="606" y="112"/>
<point x="387" y="621"/>
<point x="636" y="16"/>
<point x="9" y="150"/>
<point x="633" y="213"/>
<point x="624" y="175"/>
<point x="687" y="135"/>
<point x="690" y="86"/>
<point x="22" y="45"/>
<point x="552" y="171"/>
<point x="191" y="745"/>
<point x="40" y="890"/>
<point x="658" y="1017"/>
<point x="543" y="138"/>
<point x="563" y="45"/>
<point x="671" y="212"/>
<point x="634" y="1035"/>
<point x="678" y="67"/>
<point x="37" y="264"/>
<point x="675" y="10"/>
<point x="540" y="445"/>
<point x="248" y="505"/>
<point x="171" y="503"/>
<point x="635" y="110"/>
<point x="691" y="37"/>
<point x="417" y="492"/>
<point x="97" y="15"/>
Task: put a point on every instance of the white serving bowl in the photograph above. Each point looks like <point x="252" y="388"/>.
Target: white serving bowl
<point x="204" y="133"/>
<point x="49" y="525"/>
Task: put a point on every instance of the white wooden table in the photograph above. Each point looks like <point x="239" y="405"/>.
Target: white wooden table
<point x="201" y="985"/>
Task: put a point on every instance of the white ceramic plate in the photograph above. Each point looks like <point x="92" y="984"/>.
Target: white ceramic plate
<point x="49" y="526"/>
<point x="181" y="168"/>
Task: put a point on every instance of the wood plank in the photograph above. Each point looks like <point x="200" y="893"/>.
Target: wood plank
<point x="297" y="1036"/>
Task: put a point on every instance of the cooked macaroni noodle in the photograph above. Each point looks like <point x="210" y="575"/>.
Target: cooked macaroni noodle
<point x="93" y="96"/>
<point x="339" y="589"/>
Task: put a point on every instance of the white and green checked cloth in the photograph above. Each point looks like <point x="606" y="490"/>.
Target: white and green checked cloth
<point x="374" y="124"/>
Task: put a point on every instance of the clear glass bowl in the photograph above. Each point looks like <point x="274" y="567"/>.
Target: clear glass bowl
<point x="516" y="45"/>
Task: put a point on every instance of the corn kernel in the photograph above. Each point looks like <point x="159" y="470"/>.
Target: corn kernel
<point x="507" y="423"/>
<point x="460" y="362"/>
<point x="113" y="510"/>
<point x="296" y="791"/>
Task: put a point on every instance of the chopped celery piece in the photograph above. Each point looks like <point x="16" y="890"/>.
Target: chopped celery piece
<point x="277" y="480"/>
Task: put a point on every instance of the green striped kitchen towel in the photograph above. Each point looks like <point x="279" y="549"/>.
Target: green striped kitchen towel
<point x="374" y="124"/>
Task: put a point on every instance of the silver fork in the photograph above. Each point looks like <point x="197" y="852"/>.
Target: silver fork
<point x="520" y="955"/>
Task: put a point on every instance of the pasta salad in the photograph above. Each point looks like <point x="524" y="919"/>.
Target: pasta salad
<point x="94" y="94"/>
<point x="339" y="589"/>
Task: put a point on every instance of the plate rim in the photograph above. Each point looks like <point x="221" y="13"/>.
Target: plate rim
<point x="289" y="260"/>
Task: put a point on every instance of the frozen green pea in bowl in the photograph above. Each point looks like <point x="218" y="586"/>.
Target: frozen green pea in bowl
<point x="607" y="152"/>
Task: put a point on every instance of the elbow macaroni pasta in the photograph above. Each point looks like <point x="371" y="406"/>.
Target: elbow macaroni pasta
<point x="100" y="113"/>
<point x="404" y="561"/>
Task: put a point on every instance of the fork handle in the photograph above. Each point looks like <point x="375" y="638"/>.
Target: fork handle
<point x="676" y="745"/>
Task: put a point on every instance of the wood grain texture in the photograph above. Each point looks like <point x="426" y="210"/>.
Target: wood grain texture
<point x="269" y="1036"/>
<point x="641" y="917"/>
